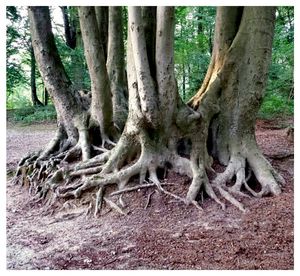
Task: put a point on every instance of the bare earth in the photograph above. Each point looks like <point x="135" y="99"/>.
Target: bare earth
<point x="166" y="235"/>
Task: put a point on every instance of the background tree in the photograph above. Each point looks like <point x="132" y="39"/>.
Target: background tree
<point x="70" y="28"/>
<point x="73" y="55"/>
<point x="34" y="98"/>
<point x="279" y="93"/>
<point x="193" y="47"/>
<point x="20" y="52"/>
<point x="14" y="69"/>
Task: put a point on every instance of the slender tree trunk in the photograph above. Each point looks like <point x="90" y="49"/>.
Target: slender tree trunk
<point x="116" y="66"/>
<point x="74" y="41"/>
<point x="34" y="97"/>
<point x="149" y="23"/>
<point x="101" y="106"/>
<point x="46" y="96"/>
<point x="102" y="21"/>
<point x="183" y="81"/>
<point x="70" y="30"/>
<point x="199" y="19"/>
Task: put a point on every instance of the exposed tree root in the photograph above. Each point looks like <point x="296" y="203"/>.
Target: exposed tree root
<point x="55" y="179"/>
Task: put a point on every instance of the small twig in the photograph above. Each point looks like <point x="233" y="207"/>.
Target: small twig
<point x="172" y="195"/>
<point x="194" y="202"/>
<point x="148" y="199"/>
<point x="202" y="197"/>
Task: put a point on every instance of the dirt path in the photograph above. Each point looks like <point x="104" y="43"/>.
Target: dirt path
<point x="166" y="235"/>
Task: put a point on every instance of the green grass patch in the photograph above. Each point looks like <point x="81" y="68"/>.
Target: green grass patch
<point x="30" y="114"/>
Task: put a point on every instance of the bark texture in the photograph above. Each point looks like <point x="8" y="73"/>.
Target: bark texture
<point x="232" y="93"/>
<point x="101" y="106"/>
<point x="52" y="71"/>
<point x="102" y="21"/>
<point x="116" y="67"/>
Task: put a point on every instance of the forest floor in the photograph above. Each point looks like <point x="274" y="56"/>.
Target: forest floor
<point x="167" y="234"/>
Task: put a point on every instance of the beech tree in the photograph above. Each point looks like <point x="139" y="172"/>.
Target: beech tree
<point x="219" y="120"/>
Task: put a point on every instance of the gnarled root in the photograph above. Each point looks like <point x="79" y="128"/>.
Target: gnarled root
<point x="265" y="174"/>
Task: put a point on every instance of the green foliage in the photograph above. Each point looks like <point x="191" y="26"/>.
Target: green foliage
<point x="15" y="45"/>
<point x="193" y="45"/>
<point x="18" y="99"/>
<point x="30" y="114"/>
<point x="279" y="96"/>
<point x="194" y="32"/>
<point x="276" y="104"/>
<point x="74" y="63"/>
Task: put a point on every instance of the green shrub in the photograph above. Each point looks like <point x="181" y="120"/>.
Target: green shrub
<point x="276" y="105"/>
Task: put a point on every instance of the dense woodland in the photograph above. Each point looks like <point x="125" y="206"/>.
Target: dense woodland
<point x="138" y="90"/>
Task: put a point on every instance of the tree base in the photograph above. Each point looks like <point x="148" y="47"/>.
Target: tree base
<point x="55" y="179"/>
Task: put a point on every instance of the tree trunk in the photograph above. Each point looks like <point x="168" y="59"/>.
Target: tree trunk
<point x="46" y="96"/>
<point x="116" y="67"/>
<point x="183" y="81"/>
<point x="66" y="101"/>
<point x="102" y="21"/>
<point x="149" y="23"/>
<point x="34" y="97"/>
<point x="232" y="92"/>
<point x="101" y="106"/>
<point x="70" y="30"/>
<point x="220" y="122"/>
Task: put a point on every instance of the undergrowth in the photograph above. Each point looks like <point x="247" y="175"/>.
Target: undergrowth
<point x="276" y="105"/>
<point x="30" y="114"/>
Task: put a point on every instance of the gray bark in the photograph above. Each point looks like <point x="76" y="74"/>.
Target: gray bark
<point x="116" y="66"/>
<point x="102" y="21"/>
<point x="52" y="71"/>
<point x="232" y="92"/>
<point x="101" y="106"/>
<point x="145" y="83"/>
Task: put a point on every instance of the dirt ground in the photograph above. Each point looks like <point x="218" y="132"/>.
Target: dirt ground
<point x="166" y="235"/>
